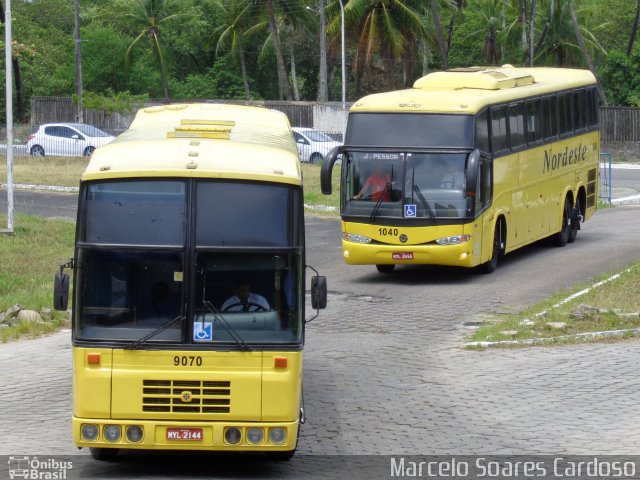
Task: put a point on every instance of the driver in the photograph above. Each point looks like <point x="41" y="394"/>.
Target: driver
<point x="245" y="300"/>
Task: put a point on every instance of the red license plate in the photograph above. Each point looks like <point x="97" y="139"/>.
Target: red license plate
<point x="402" y="255"/>
<point x="190" y="434"/>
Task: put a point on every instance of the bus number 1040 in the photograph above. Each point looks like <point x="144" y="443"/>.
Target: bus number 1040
<point x="393" y="232"/>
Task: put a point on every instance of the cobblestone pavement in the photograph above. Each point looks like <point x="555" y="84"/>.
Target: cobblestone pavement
<point x="385" y="371"/>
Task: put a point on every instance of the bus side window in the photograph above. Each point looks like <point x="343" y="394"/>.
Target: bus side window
<point x="483" y="187"/>
<point x="499" y="140"/>
<point x="482" y="131"/>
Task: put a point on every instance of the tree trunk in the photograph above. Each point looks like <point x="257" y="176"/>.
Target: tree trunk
<point x="439" y="35"/>
<point x="292" y="57"/>
<point x="634" y="30"/>
<point x="245" y="78"/>
<point x="583" y="48"/>
<point x="532" y="32"/>
<point x="523" y="25"/>
<point x="284" y="88"/>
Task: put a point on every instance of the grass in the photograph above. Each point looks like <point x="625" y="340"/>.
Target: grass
<point x="31" y="256"/>
<point x="604" y="307"/>
<point x="313" y="194"/>
<point x="60" y="171"/>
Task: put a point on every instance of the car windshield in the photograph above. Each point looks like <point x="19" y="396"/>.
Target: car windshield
<point x="317" y="136"/>
<point x="91" y="131"/>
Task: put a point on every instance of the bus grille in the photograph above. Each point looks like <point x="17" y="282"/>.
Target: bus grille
<point x="186" y="396"/>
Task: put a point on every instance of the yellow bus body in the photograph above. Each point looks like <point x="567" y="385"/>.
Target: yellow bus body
<point x="529" y="184"/>
<point x="229" y="389"/>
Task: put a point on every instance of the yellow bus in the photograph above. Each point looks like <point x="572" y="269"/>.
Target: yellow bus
<point x="189" y="285"/>
<point x="468" y="165"/>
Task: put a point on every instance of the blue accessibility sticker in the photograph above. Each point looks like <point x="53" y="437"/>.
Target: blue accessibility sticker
<point x="203" y="331"/>
<point x="410" y="210"/>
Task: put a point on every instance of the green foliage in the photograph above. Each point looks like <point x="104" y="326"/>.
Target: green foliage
<point x="621" y="78"/>
<point x="219" y="81"/>
<point x="112" y="102"/>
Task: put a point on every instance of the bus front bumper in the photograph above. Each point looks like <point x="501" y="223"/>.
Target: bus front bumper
<point x="461" y="255"/>
<point x="185" y="435"/>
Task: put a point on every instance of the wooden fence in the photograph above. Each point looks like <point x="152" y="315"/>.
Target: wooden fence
<point x="617" y="124"/>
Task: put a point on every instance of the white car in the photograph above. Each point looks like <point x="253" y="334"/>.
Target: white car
<point x="66" y="139"/>
<point x="313" y="145"/>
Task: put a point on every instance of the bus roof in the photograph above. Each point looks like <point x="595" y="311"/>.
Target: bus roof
<point x="201" y="140"/>
<point x="468" y="90"/>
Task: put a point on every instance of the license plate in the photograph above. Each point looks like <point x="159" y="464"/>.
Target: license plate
<point x="184" y="434"/>
<point x="402" y="255"/>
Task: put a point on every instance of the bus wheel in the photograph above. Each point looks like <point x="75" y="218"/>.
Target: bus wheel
<point x="386" y="268"/>
<point x="105" y="454"/>
<point x="576" y="215"/>
<point x="562" y="237"/>
<point x="492" y="264"/>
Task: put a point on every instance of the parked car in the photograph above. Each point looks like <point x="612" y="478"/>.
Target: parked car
<point x="66" y="139"/>
<point x="313" y="145"/>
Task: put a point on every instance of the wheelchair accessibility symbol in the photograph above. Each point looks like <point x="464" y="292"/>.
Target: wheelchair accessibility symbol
<point x="410" y="210"/>
<point x="202" y="331"/>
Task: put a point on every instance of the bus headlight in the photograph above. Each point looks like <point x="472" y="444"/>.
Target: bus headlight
<point x="354" y="237"/>
<point x="232" y="435"/>
<point x="112" y="433"/>
<point x="89" y="431"/>
<point x="255" y="435"/>
<point x="277" y="435"/>
<point x="454" y="240"/>
<point x="134" y="433"/>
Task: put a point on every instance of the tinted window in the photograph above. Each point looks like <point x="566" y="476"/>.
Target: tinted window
<point x="579" y="110"/>
<point x="499" y="129"/>
<point x="564" y="114"/>
<point x="549" y="117"/>
<point x="482" y="131"/>
<point x="245" y="214"/>
<point x="533" y="115"/>
<point x="409" y="130"/>
<point x="142" y="213"/>
<point x="516" y="125"/>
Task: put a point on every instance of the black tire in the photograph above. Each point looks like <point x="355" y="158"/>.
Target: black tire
<point x="561" y="238"/>
<point x="575" y="222"/>
<point x="386" y="268"/>
<point x="104" y="454"/>
<point x="37" y="151"/>
<point x="88" y="151"/>
<point x="315" y="158"/>
<point x="491" y="265"/>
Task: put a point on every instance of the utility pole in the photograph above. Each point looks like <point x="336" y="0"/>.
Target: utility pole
<point x="9" y="105"/>
<point x="322" y="93"/>
<point x="76" y="37"/>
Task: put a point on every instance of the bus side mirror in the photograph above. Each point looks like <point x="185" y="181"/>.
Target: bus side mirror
<point x="319" y="292"/>
<point x="327" y="168"/>
<point x="471" y="173"/>
<point x="61" y="291"/>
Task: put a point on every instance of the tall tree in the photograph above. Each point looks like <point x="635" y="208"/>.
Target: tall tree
<point x="17" y="75"/>
<point x="231" y="34"/>
<point x="634" y="30"/>
<point x="150" y="17"/>
<point x="583" y="48"/>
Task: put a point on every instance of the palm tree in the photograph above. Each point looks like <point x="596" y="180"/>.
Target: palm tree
<point x="387" y="30"/>
<point x="634" y="30"/>
<point x="231" y="34"/>
<point x="149" y="18"/>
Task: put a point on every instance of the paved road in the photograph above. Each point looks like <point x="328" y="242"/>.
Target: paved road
<point x="385" y="372"/>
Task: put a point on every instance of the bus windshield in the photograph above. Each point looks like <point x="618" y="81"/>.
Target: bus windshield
<point x="406" y="185"/>
<point x="139" y="268"/>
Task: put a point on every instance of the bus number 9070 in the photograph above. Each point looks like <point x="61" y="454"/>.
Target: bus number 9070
<point x="391" y="232"/>
<point x="185" y="361"/>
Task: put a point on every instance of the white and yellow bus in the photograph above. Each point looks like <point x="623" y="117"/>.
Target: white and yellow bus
<point x="177" y="218"/>
<point x="468" y="165"/>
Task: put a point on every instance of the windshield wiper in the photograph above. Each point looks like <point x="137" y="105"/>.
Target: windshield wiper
<point x="232" y="333"/>
<point x="423" y="201"/>
<point x="161" y="328"/>
<point x="376" y="207"/>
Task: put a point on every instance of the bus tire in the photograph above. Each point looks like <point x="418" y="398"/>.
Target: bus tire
<point x="561" y="238"/>
<point x="386" y="268"/>
<point x="575" y="222"/>
<point x="104" y="454"/>
<point x="491" y="265"/>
